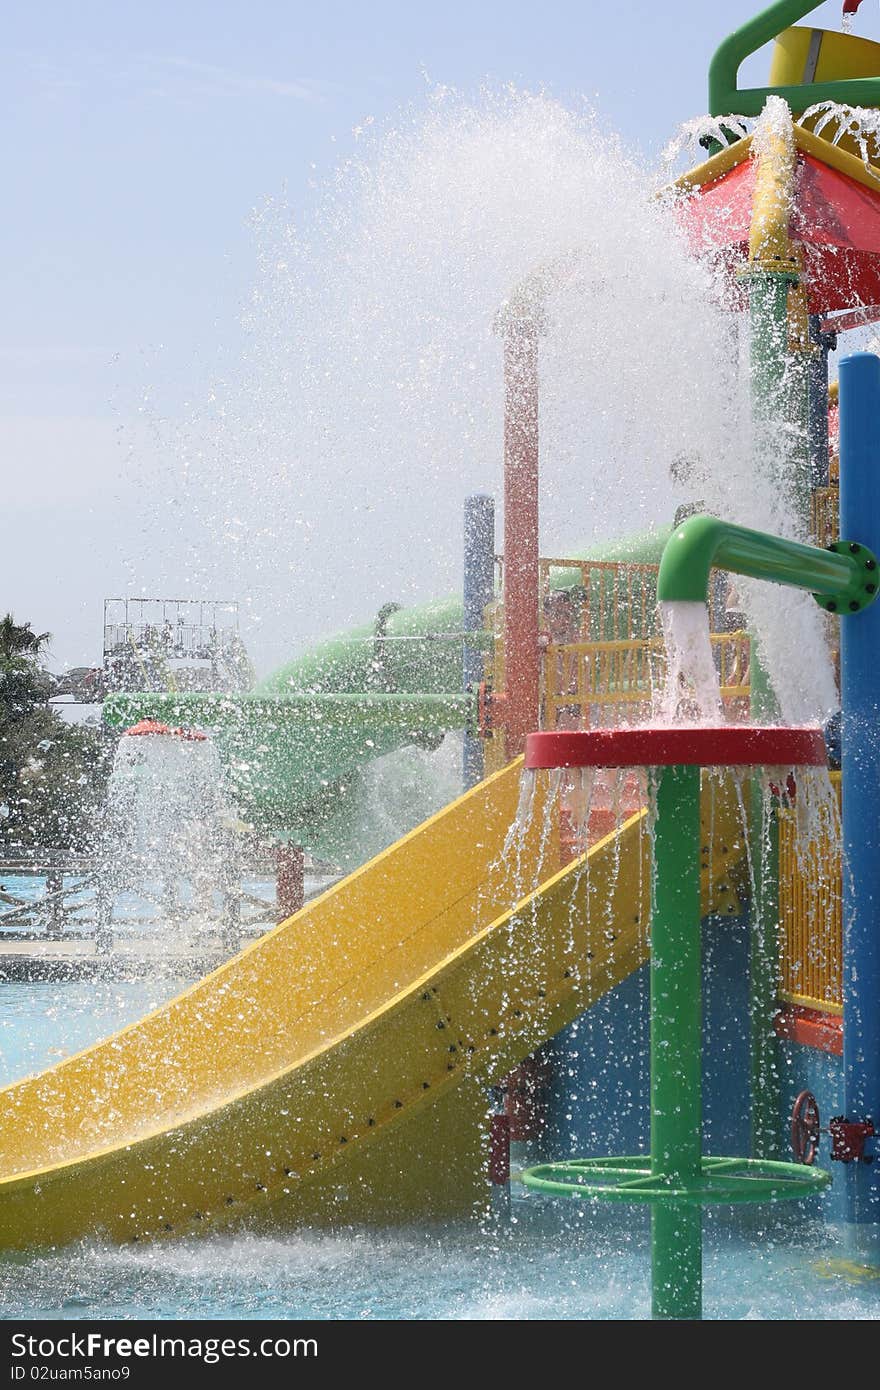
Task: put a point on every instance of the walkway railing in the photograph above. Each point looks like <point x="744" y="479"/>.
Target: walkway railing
<point x="607" y="684"/>
<point x="612" y="601"/>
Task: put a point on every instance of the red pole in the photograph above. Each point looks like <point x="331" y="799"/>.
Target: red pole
<point x="526" y="1098"/>
<point x="521" y="653"/>
<point x="289" y="880"/>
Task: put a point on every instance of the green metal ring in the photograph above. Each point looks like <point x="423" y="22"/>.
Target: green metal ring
<point x="722" y="1180"/>
<point x="863" y="590"/>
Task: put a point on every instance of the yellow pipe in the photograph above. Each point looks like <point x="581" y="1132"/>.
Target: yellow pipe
<point x="799" y="339"/>
<point x="715" y="168"/>
<point x="775" y="156"/>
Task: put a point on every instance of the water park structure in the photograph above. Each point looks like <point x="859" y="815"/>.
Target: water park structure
<point x="615" y="869"/>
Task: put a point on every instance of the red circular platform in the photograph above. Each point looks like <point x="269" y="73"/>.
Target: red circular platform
<point x="729" y="745"/>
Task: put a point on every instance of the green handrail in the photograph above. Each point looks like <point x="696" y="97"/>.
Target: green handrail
<point x="843" y="579"/>
<point x="726" y="98"/>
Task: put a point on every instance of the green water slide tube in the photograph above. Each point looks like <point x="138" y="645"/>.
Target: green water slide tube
<point x="295" y="746"/>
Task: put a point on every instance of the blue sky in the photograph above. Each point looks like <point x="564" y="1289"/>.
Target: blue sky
<point x="138" y="140"/>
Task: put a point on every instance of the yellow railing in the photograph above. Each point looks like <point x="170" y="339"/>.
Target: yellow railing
<point x="609" y="601"/>
<point x="811" y="920"/>
<point x="613" y="601"/>
<point x="603" y="684"/>
<point x="825" y="519"/>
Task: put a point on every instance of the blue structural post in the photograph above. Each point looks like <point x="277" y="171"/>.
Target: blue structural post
<point x="479" y="591"/>
<point x="860" y="733"/>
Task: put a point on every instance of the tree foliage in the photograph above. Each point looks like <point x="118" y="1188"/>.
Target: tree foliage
<point x="52" y="774"/>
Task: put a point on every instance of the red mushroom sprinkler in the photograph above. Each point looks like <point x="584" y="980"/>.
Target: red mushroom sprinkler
<point x="676" y="1178"/>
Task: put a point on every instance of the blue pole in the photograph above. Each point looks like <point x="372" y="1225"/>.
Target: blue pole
<point x="860" y="763"/>
<point x="479" y="591"/>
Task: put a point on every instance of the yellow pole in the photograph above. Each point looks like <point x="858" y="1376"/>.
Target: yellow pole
<point x="774" y="154"/>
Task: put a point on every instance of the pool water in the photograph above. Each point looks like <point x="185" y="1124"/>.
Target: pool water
<point x="546" y="1261"/>
<point x="42" y="1023"/>
<point x="542" y="1267"/>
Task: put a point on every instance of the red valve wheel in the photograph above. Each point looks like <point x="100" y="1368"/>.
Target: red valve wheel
<point x="805" y="1128"/>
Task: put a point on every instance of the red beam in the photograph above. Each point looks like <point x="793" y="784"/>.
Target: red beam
<point x="811" y="1028"/>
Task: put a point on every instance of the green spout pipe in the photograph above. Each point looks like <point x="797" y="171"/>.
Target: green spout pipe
<point x="726" y="99"/>
<point x="843" y="580"/>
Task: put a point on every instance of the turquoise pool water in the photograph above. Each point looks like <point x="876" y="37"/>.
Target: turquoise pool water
<point x="548" y="1261"/>
<point x="41" y="1023"/>
<point x="540" y="1268"/>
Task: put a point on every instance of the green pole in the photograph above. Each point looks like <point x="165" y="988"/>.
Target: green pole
<point x="772" y="398"/>
<point x="676" y="1043"/>
<point x="769" y="356"/>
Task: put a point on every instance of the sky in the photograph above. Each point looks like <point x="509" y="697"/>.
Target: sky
<point x="139" y="140"/>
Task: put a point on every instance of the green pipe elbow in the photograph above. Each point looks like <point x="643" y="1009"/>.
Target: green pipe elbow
<point x="842" y="579"/>
<point x="726" y="99"/>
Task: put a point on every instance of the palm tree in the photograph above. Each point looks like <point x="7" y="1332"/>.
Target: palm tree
<point x="18" y="640"/>
<point x="23" y="682"/>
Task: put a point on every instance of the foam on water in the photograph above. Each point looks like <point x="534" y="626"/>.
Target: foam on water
<point x="589" y="1268"/>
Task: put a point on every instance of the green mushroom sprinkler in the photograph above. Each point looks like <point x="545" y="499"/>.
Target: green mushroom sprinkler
<point x="676" y="1179"/>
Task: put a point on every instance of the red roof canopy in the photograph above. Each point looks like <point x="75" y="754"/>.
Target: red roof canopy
<point x="835" y="219"/>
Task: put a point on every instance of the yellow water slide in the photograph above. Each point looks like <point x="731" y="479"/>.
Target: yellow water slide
<point x="336" y="1070"/>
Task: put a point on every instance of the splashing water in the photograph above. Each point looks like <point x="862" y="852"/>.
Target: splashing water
<point x="693" y="137"/>
<point x="369" y="398"/>
<point x="756" y="486"/>
<point x="837" y="121"/>
<point x="692" y="693"/>
<point x="170" y="825"/>
<point x="810" y="795"/>
<point x="369" y="401"/>
<point x="400" y="790"/>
